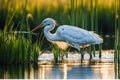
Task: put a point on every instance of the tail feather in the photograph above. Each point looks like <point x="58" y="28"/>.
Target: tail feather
<point x="97" y="37"/>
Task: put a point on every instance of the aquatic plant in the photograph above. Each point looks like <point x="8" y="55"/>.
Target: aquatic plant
<point x="15" y="47"/>
<point x="116" y="32"/>
<point x="117" y="39"/>
<point x="74" y="12"/>
<point x="62" y="11"/>
<point x="59" y="54"/>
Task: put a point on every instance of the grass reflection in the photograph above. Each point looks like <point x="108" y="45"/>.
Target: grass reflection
<point x="61" y="71"/>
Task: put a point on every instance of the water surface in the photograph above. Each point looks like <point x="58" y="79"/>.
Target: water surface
<point x="59" y="71"/>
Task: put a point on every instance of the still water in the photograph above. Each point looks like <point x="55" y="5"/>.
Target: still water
<point x="59" y="71"/>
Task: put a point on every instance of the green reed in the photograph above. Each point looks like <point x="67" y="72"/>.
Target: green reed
<point x="85" y="22"/>
<point x="14" y="47"/>
<point x="83" y="14"/>
<point x="78" y="14"/>
<point x="118" y="48"/>
<point x="96" y="16"/>
<point x="72" y="12"/>
<point x="24" y="16"/>
<point x="119" y="30"/>
<point x="96" y="26"/>
<point x="116" y="31"/>
<point x="117" y="38"/>
<point x="56" y="52"/>
<point x="92" y="23"/>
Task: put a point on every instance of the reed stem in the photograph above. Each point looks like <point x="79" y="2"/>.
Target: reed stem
<point x="72" y="13"/>
<point x="82" y="13"/>
<point x="76" y="13"/>
<point x="92" y="22"/>
<point x="96" y="16"/>
<point x="24" y="15"/>
<point x="116" y="33"/>
<point x="118" y="39"/>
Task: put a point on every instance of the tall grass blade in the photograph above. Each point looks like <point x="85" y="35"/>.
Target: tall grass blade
<point x="116" y="33"/>
<point x="82" y="13"/>
<point x="24" y="16"/>
<point x="72" y="13"/>
<point x="96" y="16"/>
<point x="116" y="42"/>
<point x="56" y="52"/>
<point x="92" y="23"/>
<point x="118" y="39"/>
<point x="96" y="25"/>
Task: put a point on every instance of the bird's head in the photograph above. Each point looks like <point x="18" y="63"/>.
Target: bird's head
<point x="45" y="22"/>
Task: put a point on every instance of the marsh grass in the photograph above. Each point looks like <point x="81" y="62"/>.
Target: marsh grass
<point x="92" y="23"/>
<point x="89" y="19"/>
<point x="15" y="48"/>
<point x="117" y="39"/>
<point x="119" y="31"/>
<point x="74" y="12"/>
<point x="96" y="26"/>
<point x="58" y="53"/>
<point x="116" y="32"/>
<point x="66" y="12"/>
<point x="82" y="13"/>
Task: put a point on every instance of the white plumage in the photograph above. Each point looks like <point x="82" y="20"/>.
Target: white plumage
<point x="67" y="35"/>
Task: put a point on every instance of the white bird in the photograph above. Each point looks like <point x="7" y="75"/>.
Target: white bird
<point x="67" y="35"/>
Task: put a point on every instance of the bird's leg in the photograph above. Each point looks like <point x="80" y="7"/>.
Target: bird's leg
<point x="66" y="55"/>
<point x="80" y="51"/>
<point x="90" y="52"/>
<point x="90" y="55"/>
<point x="93" y="50"/>
<point x="67" y="52"/>
<point x="82" y="54"/>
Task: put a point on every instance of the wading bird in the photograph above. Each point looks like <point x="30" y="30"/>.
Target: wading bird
<point x="67" y="35"/>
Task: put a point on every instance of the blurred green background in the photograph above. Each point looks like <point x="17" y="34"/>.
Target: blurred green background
<point x="73" y="12"/>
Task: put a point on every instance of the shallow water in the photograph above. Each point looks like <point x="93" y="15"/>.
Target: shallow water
<point x="59" y="71"/>
<point x="69" y="68"/>
<point x="68" y="71"/>
<point x="107" y="56"/>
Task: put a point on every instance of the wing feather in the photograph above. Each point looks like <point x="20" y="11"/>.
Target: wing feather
<point x="75" y="35"/>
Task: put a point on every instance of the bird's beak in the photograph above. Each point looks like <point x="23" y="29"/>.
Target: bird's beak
<point x="36" y="28"/>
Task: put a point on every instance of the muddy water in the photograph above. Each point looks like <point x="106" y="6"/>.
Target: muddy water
<point x="72" y="70"/>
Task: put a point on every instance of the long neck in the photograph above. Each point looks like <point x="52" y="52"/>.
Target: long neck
<point x="48" y="34"/>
